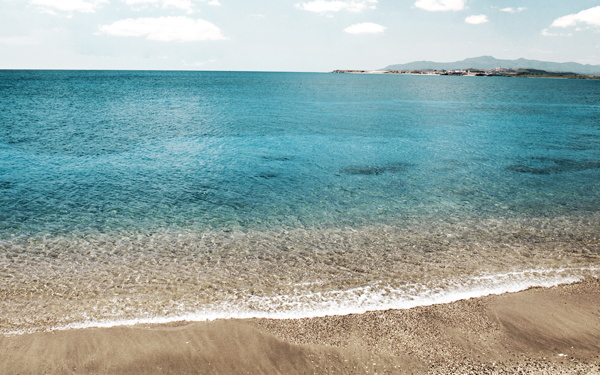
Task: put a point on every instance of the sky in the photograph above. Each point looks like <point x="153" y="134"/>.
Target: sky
<point x="290" y="35"/>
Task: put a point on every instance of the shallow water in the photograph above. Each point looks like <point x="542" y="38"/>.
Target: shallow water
<point x="156" y="196"/>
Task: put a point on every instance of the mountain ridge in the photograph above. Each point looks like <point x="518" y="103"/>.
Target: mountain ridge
<point x="489" y="62"/>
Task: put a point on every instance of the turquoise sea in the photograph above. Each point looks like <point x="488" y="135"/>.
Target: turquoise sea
<point x="131" y="196"/>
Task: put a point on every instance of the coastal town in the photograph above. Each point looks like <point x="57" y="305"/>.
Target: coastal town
<point x="473" y="72"/>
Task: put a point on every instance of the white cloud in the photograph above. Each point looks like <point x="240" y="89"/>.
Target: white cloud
<point x="89" y="6"/>
<point x="215" y="3"/>
<point x="588" y="17"/>
<point x="365" y="28"/>
<point x="186" y="5"/>
<point x="324" y="6"/>
<point x="166" y="29"/>
<point x="513" y="10"/>
<point x="547" y="32"/>
<point x="477" y="19"/>
<point x="440" y="5"/>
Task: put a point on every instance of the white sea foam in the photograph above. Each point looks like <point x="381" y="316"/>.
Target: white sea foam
<point x="359" y="300"/>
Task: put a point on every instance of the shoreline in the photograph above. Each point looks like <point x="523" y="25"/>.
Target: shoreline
<point x="555" y="329"/>
<point x="551" y="279"/>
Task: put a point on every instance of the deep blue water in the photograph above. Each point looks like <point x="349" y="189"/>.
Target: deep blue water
<point x="136" y="151"/>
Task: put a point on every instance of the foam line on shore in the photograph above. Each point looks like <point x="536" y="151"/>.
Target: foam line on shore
<point x="356" y="300"/>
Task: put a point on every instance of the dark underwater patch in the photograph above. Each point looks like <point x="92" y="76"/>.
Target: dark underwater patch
<point x="277" y="158"/>
<point x="267" y="175"/>
<point x="373" y="170"/>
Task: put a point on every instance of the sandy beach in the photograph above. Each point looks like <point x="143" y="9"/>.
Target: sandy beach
<point x="538" y="331"/>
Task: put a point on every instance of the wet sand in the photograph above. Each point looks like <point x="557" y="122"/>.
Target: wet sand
<point x="537" y="331"/>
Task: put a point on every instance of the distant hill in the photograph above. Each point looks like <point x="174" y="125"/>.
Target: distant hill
<point x="489" y="62"/>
